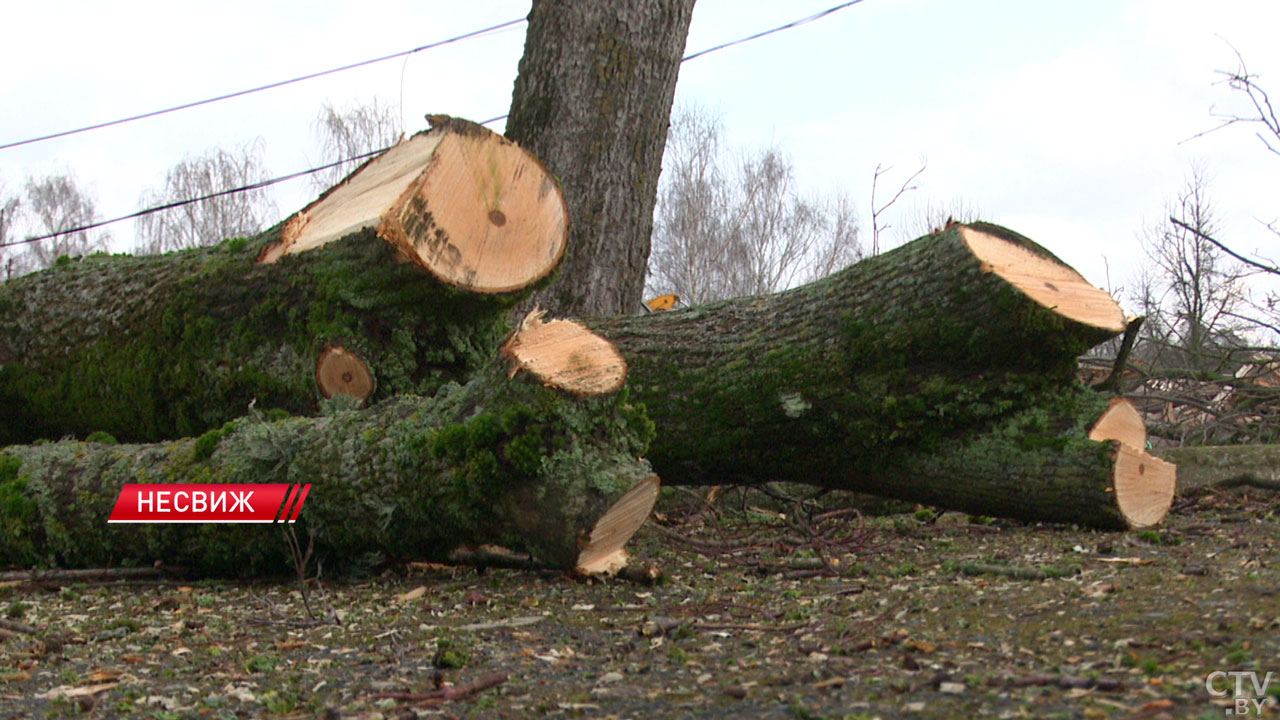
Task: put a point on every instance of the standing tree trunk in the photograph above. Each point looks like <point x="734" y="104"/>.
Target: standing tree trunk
<point x="592" y="100"/>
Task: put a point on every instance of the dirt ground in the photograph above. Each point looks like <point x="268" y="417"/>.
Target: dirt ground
<point x="769" y="608"/>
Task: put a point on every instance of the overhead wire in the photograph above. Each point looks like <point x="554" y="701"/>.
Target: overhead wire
<point x="260" y="88"/>
<point x="741" y="40"/>
<point x="192" y="201"/>
<point x="254" y="186"/>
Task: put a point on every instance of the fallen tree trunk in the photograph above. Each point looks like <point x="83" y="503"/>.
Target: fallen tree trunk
<point x="1062" y="459"/>
<point x="541" y="462"/>
<point x="408" y="267"/>
<point x="857" y="380"/>
<point x="1225" y="466"/>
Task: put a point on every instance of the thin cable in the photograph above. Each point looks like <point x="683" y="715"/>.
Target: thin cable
<point x="190" y="201"/>
<point x="265" y="183"/>
<point x="780" y="28"/>
<point x="739" y="41"/>
<point x="239" y="93"/>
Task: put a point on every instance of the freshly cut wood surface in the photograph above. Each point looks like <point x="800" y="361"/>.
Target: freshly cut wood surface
<point x="1122" y="422"/>
<point x="1144" y="487"/>
<point x="468" y="205"/>
<point x="360" y="200"/>
<point x="605" y="553"/>
<point x="566" y="355"/>
<point x="341" y="372"/>
<point x="1045" y="280"/>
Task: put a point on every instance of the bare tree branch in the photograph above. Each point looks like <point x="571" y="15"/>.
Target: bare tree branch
<point x="55" y="204"/>
<point x="213" y="219"/>
<point x="1221" y="246"/>
<point x="351" y="132"/>
<point x="876" y="212"/>
<point x="744" y="230"/>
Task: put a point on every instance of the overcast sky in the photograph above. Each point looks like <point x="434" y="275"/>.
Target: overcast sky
<point x="1062" y="120"/>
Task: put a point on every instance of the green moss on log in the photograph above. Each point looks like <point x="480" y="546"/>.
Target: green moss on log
<point x="168" y="346"/>
<point x="1034" y="464"/>
<point x="893" y="355"/>
<point x="494" y="461"/>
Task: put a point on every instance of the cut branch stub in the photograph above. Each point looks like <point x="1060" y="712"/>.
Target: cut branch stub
<point x="468" y="205"/>
<point x="565" y="355"/>
<point x="341" y="372"/>
<point x="604" y="553"/>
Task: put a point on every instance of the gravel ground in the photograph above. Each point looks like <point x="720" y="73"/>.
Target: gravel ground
<point x="768" y="608"/>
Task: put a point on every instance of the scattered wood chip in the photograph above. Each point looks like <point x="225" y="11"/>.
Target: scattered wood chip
<point x="413" y="594"/>
<point x="75" y="692"/>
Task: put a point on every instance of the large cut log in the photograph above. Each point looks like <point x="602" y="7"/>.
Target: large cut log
<point x="395" y="281"/>
<point x="1065" y="458"/>
<point x="542" y="462"/>
<point x="856" y="380"/>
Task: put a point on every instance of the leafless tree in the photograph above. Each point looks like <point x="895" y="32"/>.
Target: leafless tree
<point x="56" y="205"/>
<point x="1193" y="291"/>
<point x="1197" y="371"/>
<point x="1261" y="114"/>
<point x="744" y="230"/>
<point x="221" y="214"/>
<point x="9" y="206"/>
<point x="351" y="132"/>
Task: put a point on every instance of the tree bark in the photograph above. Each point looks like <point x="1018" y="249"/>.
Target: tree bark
<point x="856" y="380"/>
<point x="498" y="460"/>
<point x="1225" y="466"/>
<point x="410" y="266"/>
<point x="593" y="99"/>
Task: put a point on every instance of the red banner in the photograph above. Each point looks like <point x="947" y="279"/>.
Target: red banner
<point x="193" y="503"/>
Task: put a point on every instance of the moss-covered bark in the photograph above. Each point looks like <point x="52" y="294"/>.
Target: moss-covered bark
<point x="894" y="354"/>
<point x="1034" y="464"/>
<point x="857" y="380"/>
<point x="496" y="461"/>
<point x="155" y="347"/>
<point x="1225" y="465"/>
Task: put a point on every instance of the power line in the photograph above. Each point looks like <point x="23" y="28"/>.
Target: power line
<point x="739" y="41"/>
<point x="273" y="181"/>
<point x="780" y="28"/>
<point x="260" y="88"/>
<point x="191" y="201"/>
